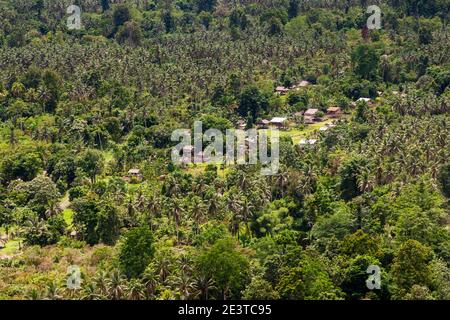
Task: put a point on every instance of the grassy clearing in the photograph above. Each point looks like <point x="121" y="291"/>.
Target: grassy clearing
<point x="297" y="134"/>
<point x="68" y="216"/>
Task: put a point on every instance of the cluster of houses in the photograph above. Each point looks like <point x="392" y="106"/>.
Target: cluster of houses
<point x="189" y="154"/>
<point x="310" y="116"/>
<point x="281" y="90"/>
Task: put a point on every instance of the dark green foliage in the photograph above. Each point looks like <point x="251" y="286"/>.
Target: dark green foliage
<point x="23" y="164"/>
<point x="79" y="110"/>
<point x="226" y="265"/>
<point x="444" y="180"/>
<point x="349" y="173"/>
<point x="252" y="103"/>
<point x="105" y="5"/>
<point x="365" y="62"/>
<point x="121" y="15"/>
<point x="293" y="8"/>
<point x="86" y="218"/>
<point x="136" y="251"/>
<point x="108" y="224"/>
<point x="206" y="5"/>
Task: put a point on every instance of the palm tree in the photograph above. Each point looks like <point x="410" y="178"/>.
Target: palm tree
<point x="101" y="282"/>
<point x="202" y="287"/>
<point x="365" y="180"/>
<point x="281" y="181"/>
<point x="176" y="209"/>
<point x="33" y="294"/>
<point x="116" y="285"/>
<point x="53" y="291"/>
<point x="246" y="214"/>
<point x="184" y="285"/>
<point x="150" y="279"/>
<point x="53" y="210"/>
<point x="197" y="209"/>
<point x="90" y="292"/>
<point x="135" y="289"/>
<point x="214" y="204"/>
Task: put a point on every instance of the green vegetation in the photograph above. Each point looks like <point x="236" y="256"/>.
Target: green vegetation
<point x="369" y="185"/>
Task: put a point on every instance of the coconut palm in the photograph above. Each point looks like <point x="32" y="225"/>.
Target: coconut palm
<point x="135" y="290"/>
<point x="116" y="285"/>
<point x="203" y="286"/>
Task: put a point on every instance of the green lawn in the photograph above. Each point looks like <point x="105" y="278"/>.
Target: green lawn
<point x="68" y="216"/>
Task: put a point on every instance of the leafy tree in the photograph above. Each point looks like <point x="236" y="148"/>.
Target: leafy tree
<point x="51" y="82"/>
<point x="259" y="289"/>
<point x="359" y="243"/>
<point x="121" y="15"/>
<point x="225" y="265"/>
<point x="354" y="284"/>
<point x="85" y="218"/>
<point x="129" y="33"/>
<point x="238" y="19"/>
<point x="411" y="267"/>
<point x="168" y="21"/>
<point x="91" y="162"/>
<point x="42" y="195"/>
<point x="252" y="102"/>
<point x="365" y="61"/>
<point x="337" y="225"/>
<point x="22" y="164"/>
<point x="275" y="26"/>
<point x="308" y="280"/>
<point x="136" y="251"/>
<point x="109" y="224"/>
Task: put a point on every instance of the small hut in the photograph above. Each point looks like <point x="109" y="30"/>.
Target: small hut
<point x="310" y="115"/>
<point x="134" y="175"/>
<point x="334" y="112"/>
<point x="281" y="90"/>
<point x="279" y="123"/>
<point x="263" y="124"/>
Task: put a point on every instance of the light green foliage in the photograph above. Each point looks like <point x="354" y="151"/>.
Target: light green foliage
<point x="226" y="265"/>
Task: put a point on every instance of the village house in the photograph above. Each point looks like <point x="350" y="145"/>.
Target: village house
<point x="203" y="157"/>
<point x="263" y="124"/>
<point x="281" y="90"/>
<point x="279" y="123"/>
<point x="308" y="142"/>
<point x="134" y="175"/>
<point x="310" y="115"/>
<point x="366" y="100"/>
<point x="334" y="112"/>
<point x="301" y="84"/>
